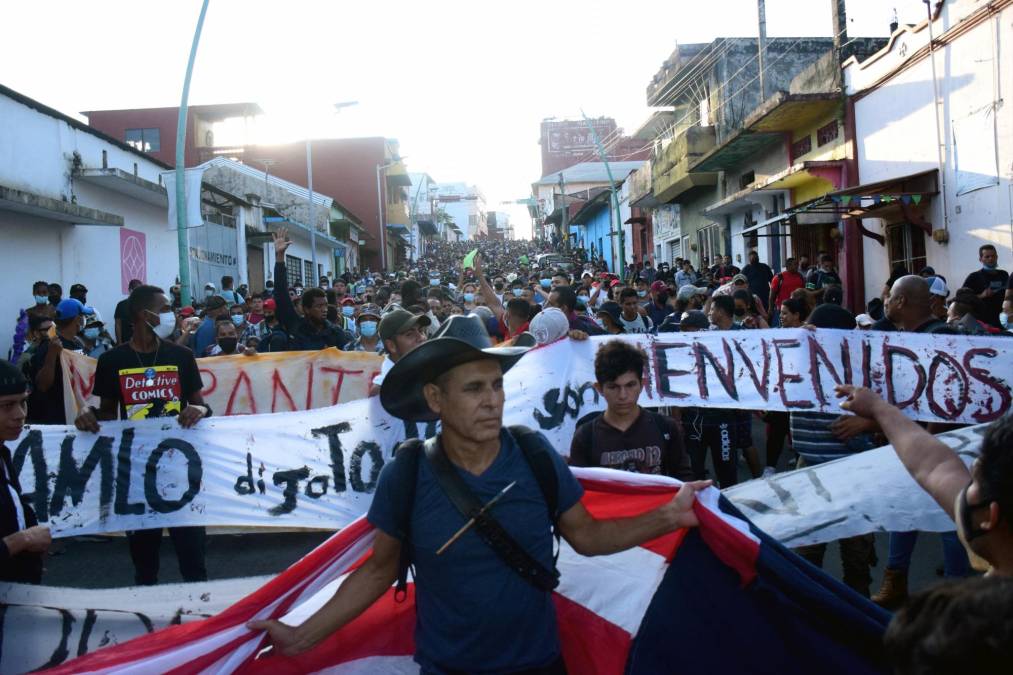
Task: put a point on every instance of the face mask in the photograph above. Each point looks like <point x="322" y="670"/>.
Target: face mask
<point x="642" y="294"/>
<point x="740" y="312"/>
<point x="228" y="344"/>
<point x="517" y="292"/>
<point x="41" y="299"/>
<point x="91" y="333"/>
<point x="348" y="310"/>
<point x="582" y="300"/>
<point x="166" y="324"/>
<point x="499" y="288"/>
<point x="469" y="297"/>
<point x="237" y="319"/>
<point x="988" y="268"/>
<point x="208" y="293"/>
<point x="434" y="282"/>
<point x="546" y="283"/>
<point x="323" y="286"/>
<point x="367" y="328"/>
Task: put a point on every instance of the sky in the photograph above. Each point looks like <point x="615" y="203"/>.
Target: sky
<point x="462" y="85"/>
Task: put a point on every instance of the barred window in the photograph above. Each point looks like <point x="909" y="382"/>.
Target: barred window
<point x="802" y="146"/>
<point x="827" y="133"/>
<point x="293" y="268"/>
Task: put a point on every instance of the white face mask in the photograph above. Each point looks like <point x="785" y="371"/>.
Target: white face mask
<point x="166" y="324"/>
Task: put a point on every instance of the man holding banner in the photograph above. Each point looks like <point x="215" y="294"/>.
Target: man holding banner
<point x="145" y="378"/>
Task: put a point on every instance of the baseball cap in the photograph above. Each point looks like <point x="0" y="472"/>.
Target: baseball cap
<point x="928" y="271"/>
<point x="270" y="304"/>
<point x="210" y="285"/>
<point x="349" y="301"/>
<point x="187" y="311"/>
<point x="614" y="282"/>
<point x="694" y="318"/>
<point x="399" y="321"/>
<point x="740" y="277"/>
<point x="70" y="308"/>
<point x="864" y="321"/>
<point x="658" y="286"/>
<point x="938" y="287"/>
<point x="78" y="288"/>
<point x="612" y="309"/>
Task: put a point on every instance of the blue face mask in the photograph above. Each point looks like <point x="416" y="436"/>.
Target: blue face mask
<point x="348" y="310"/>
<point x="546" y="283"/>
<point x="517" y="292"/>
<point x="989" y="268"/>
<point x="582" y="300"/>
<point x="434" y="282"/>
<point x="237" y="319"/>
<point x="41" y="299"/>
<point x="642" y="294"/>
<point x="469" y="297"/>
<point x="367" y="328"/>
<point x="91" y="333"/>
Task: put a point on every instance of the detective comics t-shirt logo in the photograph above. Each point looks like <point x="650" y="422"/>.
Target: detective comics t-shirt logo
<point x="150" y="392"/>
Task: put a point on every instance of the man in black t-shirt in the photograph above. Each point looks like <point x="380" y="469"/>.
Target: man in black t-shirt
<point x="626" y="436"/>
<point x="149" y="377"/>
<point x="990" y="283"/>
<point x="124" y="327"/>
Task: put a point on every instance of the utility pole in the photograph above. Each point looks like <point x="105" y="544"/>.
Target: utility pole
<point x="181" y="224"/>
<point x="309" y="209"/>
<point x="761" y="47"/>
<point x="839" y="16"/>
<point x="617" y="227"/>
<point x="565" y="210"/>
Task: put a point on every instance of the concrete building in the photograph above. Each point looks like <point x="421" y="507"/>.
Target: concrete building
<point x="915" y="207"/>
<point x="465" y="206"/>
<point x="422" y="213"/>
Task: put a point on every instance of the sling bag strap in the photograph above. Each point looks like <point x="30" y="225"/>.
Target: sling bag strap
<point x="487" y="527"/>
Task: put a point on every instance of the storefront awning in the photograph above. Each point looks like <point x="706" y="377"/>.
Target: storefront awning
<point x="427" y="228"/>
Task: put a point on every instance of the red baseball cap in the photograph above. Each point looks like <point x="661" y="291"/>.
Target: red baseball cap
<point x="187" y="311"/>
<point x="347" y="300"/>
<point x="658" y="286"/>
<point x="614" y="282"/>
<point x="270" y="304"/>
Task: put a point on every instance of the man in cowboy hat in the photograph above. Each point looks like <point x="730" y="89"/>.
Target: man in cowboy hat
<point x="475" y="610"/>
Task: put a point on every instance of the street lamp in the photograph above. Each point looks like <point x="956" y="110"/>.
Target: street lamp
<point x="309" y="199"/>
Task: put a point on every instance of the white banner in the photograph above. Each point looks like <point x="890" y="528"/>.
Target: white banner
<point x="867" y="492"/>
<point x="43" y="626"/>
<point x="318" y="468"/>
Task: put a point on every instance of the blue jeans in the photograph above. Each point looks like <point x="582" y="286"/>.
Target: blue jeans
<point x="955" y="562"/>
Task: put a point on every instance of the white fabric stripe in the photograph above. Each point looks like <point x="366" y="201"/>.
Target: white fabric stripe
<point x="371" y="665"/>
<point x="709" y="498"/>
<point x="617" y="587"/>
<point x="337" y="567"/>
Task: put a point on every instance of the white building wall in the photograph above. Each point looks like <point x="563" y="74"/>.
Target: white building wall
<point x="896" y="136"/>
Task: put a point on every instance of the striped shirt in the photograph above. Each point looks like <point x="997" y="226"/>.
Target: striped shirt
<point x="812" y="438"/>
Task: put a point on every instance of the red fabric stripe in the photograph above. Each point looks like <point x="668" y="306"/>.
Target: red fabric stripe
<point x="605" y="505"/>
<point x="387" y="628"/>
<point x="591" y="645"/>
<point x="175" y="637"/>
<point x="208" y="659"/>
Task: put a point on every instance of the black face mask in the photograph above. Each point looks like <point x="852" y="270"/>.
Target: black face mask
<point x="228" y="344"/>
<point x="740" y="312"/>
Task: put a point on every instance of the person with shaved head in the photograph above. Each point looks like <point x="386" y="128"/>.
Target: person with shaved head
<point x="909" y="307"/>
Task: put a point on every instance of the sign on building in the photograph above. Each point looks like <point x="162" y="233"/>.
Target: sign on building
<point x="213" y="254"/>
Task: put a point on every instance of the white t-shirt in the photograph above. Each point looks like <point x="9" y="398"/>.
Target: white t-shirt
<point x="384" y="369"/>
<point x="641" y="324"/>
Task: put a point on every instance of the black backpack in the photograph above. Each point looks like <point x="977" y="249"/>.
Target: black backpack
<point x="406" y="469"/>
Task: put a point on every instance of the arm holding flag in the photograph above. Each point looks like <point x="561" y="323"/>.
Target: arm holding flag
<point x="360" y="590"/>
<point x="590" y="536"/>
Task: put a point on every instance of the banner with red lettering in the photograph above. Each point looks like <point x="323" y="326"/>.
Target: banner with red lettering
<point x="243" y="385"/>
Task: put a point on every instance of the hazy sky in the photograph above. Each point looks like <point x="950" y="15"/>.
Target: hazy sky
<point x="462" y="85"/>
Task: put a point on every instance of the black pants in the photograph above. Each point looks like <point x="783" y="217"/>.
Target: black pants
<point x="189" y="543"/>
<point x="777" y="434"/>
<point x="724" y="443"/>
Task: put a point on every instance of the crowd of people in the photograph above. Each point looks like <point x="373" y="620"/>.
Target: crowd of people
<point x="516" y="294"/>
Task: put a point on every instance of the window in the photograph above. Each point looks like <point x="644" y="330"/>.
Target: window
<point x="747" y="179"/>
<point x="293" y="268"/>
<point x="826" y="133"/>
<point x="802" y="146"/>
<point x="906" y="245"/>
<point x="145" y="140"/>
<point x="308" y="277"/>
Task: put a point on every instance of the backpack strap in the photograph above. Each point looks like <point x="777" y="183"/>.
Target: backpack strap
<point x="406" y="471"/>
<point x="537" y="453"/>
<point x="486" y="525"/>
<point x="666" y="437"/>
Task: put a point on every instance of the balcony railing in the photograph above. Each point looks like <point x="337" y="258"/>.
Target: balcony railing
<point x="670" y="173"/>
